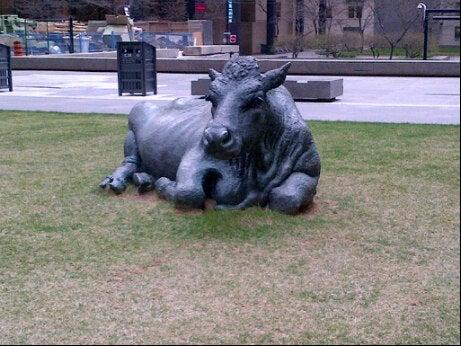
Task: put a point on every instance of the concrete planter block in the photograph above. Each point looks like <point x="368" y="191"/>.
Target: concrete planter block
<point x="200" y="86"/>
<point x="316" y="90"/>
<point x="209" y="50"/>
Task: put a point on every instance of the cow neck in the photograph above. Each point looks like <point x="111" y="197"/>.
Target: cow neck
<point x="256" y="156"/>
<point x="274" y="130"/>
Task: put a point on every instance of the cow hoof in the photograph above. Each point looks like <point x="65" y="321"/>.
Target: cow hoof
<point x="105" y="182"/>
<point x="117" y="186"/>
<point x="284" y="203"/>
<point x="143" y="181"/>
<point x="161" y="186"/>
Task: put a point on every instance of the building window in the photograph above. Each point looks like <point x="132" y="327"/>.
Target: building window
<point x="457" y="32"/>
<point x="355" y="8"/>
<point x="351" y="11"/>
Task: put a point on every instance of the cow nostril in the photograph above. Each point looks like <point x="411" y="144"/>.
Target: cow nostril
<point x="225" y="137"/>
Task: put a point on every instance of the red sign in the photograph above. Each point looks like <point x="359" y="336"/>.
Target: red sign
<point x="233" y="39"/>
<point x="200" y="8"/>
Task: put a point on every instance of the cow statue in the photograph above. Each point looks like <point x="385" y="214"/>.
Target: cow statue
<point x="244" y="144"/>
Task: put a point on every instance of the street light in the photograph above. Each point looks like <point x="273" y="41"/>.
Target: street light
<point x="422" y="6"/>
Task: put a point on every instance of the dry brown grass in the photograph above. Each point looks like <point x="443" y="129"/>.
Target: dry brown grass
<point x="375" y="260"/>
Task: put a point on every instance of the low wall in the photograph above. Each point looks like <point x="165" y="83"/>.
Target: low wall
<point x="299" y="67"/>
<point x="210" y="50"/>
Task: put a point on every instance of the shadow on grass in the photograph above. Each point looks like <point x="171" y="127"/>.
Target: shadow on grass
<point x="251" y="224"/>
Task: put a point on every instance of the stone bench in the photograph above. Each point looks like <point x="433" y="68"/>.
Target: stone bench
<point x="325" y="90"/>
<point x="209" y="50"/>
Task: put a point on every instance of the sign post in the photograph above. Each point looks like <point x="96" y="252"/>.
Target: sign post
<point x="233" y="19"/>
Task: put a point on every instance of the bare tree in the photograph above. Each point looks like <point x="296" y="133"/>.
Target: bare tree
<point x="39" y="9"/>
<point x="313" y="23"/>
<point x="394" y="20"/>
<point x="319" y="14"/>
<point x="53" y="9"/>
<point x="215" y="9"/>
<point x="364" y="17"/>
<point x="174" y="10"/>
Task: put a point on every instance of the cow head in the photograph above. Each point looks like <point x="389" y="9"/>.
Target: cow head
<point x="239" y="106"/>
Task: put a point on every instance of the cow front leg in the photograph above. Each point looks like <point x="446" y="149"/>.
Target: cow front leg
<point x="183" y="193"/>
<point x="296" y="192"/>
<point x="187" y="191"/>
<point x="119" y="179"/>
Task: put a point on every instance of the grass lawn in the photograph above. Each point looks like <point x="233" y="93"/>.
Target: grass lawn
<point x="376" y="260"/>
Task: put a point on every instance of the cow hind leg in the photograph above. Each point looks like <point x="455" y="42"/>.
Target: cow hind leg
<point x="182" y="194"/>
<point x="119" y="179"/>
<point x="294" y="194"/>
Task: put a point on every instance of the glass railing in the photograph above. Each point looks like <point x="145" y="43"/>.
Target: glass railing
<point x="58" y="43"/>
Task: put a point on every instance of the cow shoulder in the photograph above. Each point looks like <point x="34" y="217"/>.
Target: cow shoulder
<point x="140" y="114"/>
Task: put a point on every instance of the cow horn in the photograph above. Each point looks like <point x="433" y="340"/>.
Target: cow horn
<point x="213" y="74"/>
<point x="275" y="78"/>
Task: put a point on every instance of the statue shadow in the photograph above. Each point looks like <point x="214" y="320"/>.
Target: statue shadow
<point x="254" y="223"/>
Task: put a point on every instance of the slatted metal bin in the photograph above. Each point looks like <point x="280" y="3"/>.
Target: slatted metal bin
<point x="137" y="70"/>
<point x="6" y="77"/>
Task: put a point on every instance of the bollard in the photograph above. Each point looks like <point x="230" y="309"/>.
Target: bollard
<point x="17" y="48"/>
<point x="6" y="77"/>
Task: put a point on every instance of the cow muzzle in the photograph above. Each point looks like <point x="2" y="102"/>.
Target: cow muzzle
<point x="220" y="142"/>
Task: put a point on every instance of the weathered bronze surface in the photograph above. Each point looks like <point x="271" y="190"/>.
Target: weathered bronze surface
<point x="244" y="144"/>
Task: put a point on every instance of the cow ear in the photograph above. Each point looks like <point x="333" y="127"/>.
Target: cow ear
<point x="213" y="74"/>
<point x="275" y="78"/>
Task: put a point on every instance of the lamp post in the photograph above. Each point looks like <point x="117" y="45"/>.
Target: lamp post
<point x="422" y="6"/>
<point x="71" y="34"/>
<point x="271" y="25"/>
<point x="190" y="9"/>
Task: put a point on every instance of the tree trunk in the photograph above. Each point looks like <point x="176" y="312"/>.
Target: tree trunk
<point x="322" y="17"/>
<point x="391" y="55"/>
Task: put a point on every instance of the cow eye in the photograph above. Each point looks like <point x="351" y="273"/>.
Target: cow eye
<point x="256" y="102"/>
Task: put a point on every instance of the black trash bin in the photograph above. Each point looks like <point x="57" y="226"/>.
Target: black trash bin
<point x="137" y="71"/>
<point x="6" y="78"/>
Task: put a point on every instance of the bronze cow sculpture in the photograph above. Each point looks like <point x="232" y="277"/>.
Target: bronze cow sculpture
<point x="244" y="144"/>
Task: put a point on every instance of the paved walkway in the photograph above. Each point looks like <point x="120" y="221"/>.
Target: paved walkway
<point x="370" y="99"/>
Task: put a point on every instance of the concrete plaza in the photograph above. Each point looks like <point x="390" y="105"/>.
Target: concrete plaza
<point x="368" y="99"/>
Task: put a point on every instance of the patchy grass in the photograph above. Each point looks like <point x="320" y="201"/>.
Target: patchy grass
<point x="375" y="261"/>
